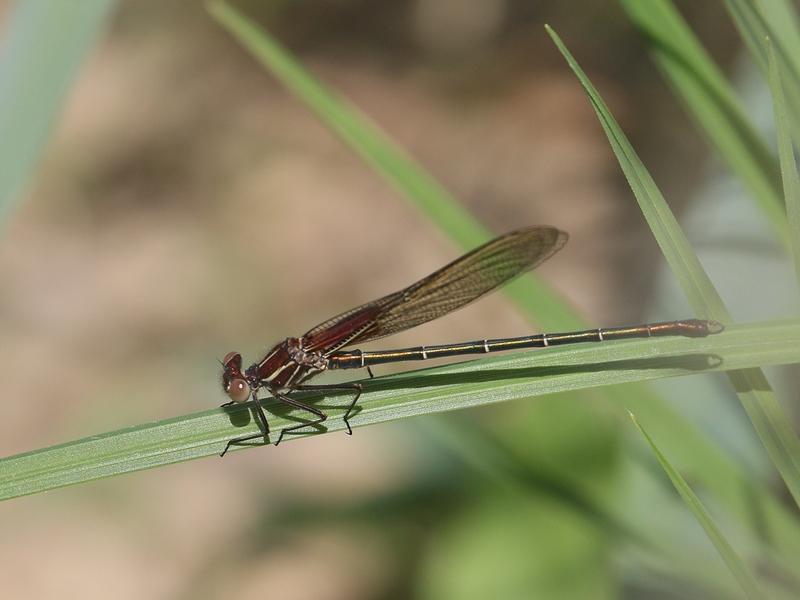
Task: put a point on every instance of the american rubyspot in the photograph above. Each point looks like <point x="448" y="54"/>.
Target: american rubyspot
<point x="292" y="362"/>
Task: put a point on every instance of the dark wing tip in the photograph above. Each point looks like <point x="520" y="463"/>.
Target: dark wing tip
<point x="548" y="232"/>
<point x="548" y="240"/>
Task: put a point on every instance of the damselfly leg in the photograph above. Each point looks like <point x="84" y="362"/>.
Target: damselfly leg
<point x="352" y="387"/>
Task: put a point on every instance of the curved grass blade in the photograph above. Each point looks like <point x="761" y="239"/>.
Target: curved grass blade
<point x="754" y="28"/>
<point x="725" y="549"/>
<point x="711" y="102"/>
<point x="772" y="425"/>
<point x="43" y="45"/>
<point x="782" y="18"/>
<point x="451" y="387"/>
<point x="791" y="181"/>
<point x="673" y="243"/>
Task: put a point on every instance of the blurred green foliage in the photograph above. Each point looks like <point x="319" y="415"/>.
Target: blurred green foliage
<point x="548" y="499"/>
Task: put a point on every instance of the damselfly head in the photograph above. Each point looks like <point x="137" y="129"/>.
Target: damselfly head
<point x="233" y="382"/>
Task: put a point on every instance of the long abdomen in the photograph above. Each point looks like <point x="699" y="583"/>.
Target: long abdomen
<point x="688" y="328"/>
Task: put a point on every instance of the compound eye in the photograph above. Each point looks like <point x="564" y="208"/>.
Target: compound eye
<point x="238" y="390"/>
<point x="232" y="359"/>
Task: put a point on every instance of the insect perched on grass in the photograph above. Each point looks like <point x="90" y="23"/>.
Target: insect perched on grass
<point x="292" y="362"/>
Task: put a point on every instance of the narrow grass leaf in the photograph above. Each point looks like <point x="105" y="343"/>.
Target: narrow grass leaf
<point x="754" y="28"/>
<point x="723" y="546"/>
<point x="711" y="102"/>
<point x="782" y="18"/>
<point x="791" y="181"/>
<point x="768" y="418"/>
<point x="440" y="389"/>
<point x="676" y="248"/>
<point x="42" y="47"/>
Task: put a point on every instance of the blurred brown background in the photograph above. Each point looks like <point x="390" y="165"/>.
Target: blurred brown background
<point x="187" y="206"/>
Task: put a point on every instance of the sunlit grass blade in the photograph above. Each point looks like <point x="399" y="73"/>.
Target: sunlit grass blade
<point x="41" y="48"/>
<point x="463" y="385"/>
<point x="370" y="143"/>
<point x="725" y="549"/>
<point x="768" y="418"/>
<point x="782" y="18"/>
<point x="754" y="28"/>
<point x="791" y="181"/>
<point x="673" y="243"/>
<point x="711" y="102"/>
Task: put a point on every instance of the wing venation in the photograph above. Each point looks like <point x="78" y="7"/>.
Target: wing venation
<point x="455" y="285"/>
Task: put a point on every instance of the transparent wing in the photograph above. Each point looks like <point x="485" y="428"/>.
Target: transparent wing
<point x="455" y="285"/>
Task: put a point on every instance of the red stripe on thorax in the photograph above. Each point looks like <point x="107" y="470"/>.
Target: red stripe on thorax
<point x="333" y="336"/>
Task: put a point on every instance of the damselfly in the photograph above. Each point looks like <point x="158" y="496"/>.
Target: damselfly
<point x="290" y="364"/>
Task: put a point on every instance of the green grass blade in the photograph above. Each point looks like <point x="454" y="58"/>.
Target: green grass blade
<point x="725" y="549"/>
<point x="729" y="481"/>
<point x="768" y="419"/>
<point x="370" y="143"/>
<point x="754" y="28"/>
<point x="782" y="18"/>
<point x="791" y="181"/>
<point x="42" y="47"/>
<point x="711" y="102"/>
<point x="673" y="243"/>
<point x="463" y="385"/>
